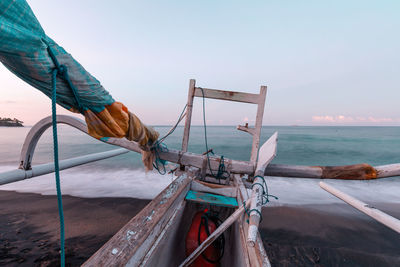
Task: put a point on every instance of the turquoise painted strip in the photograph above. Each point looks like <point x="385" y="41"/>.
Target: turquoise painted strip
<point x="211" y="199"/>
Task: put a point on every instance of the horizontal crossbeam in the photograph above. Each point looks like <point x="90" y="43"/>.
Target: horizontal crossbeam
<point x="228" y="95"/>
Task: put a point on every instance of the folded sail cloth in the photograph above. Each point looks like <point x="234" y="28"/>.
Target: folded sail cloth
<point x="24" y="51"/>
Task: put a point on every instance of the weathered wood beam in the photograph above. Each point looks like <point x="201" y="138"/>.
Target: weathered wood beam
<point x="228" y="95"/>
<point x="257" y="127"/>
<point x="196" y="160"/>
<point x="200" y="186"/>
<point x="348" y="172"/>
<point x="189" y="108"/>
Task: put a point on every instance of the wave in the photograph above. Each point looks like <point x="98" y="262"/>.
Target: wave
<point x="89" y="182"/>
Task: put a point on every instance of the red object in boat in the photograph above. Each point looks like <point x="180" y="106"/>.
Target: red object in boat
<point x="192" y="241"/>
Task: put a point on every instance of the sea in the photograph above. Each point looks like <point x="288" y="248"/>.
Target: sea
<point x="124" y="175"/>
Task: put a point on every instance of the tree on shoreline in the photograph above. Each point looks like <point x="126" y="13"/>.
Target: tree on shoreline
<point x="10" y="122"/>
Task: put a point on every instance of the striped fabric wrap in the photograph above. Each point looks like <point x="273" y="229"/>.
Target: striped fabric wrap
<point x="23" y="50"/>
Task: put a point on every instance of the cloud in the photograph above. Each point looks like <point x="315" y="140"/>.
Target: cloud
<point x="350" y="119"/>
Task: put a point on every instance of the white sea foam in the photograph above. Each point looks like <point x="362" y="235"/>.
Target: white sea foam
<point x="135" y="183"/>
<point x="95" y="183"/>
<point x="307" y="191"/>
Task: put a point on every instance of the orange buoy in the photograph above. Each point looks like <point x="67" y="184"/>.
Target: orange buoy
<point x="203" y="224"/>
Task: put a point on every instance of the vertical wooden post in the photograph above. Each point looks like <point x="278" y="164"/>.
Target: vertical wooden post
<point x="185" y="140"/>
<point x="258" y="124"/>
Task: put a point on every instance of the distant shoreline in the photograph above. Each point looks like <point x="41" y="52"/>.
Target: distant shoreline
<point x="7" y="122"/>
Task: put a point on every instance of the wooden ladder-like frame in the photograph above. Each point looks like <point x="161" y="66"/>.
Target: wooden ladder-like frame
<point x="258" y="99"/>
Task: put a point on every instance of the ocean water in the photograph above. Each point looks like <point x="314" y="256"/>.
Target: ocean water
<point x="124" y="175"/>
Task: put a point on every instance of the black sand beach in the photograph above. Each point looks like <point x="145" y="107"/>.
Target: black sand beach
<point x="317" y="235"/>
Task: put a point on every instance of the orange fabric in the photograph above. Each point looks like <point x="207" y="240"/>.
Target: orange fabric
<point x="113" y="121"/>
<point x="116" y="121"/>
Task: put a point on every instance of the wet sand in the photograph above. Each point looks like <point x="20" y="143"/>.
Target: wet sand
<point x="312" y="235"/>
<point x="329" y="235"/>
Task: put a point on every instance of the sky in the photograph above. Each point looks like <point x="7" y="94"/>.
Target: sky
<point x="324" y="62"/>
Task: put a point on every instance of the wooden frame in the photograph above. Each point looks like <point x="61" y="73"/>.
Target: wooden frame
<point x="258" y="99"/>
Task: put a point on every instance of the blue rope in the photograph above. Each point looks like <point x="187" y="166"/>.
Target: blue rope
<point x="221" y="173"/>
<point x="63" y="71"/>
<point x="56" y="165"/>
<point x="265" y="193"/>
<point x="159" y="164"/>
<point x="159" y="146"/>
<point x="265" y="196"/>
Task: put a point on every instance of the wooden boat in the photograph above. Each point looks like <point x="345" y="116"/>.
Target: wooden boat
<point x="156" y="236"/>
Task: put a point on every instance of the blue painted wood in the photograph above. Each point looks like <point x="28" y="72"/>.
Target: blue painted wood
<point x="213" y="199"/>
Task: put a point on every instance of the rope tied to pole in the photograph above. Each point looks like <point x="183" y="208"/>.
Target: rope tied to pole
<point x="159" y="164"/>
<point x="56" y="165"/>
<point x="265" y="193"/>
<point x="265" y="197"/>
<point x="159" y="146"/>
<point x="63" y="71"/>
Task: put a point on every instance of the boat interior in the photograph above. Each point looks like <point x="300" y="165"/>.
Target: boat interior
<point x="157" y="236"/>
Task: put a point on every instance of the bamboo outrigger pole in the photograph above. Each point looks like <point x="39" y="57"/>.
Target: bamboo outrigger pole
<point x="376" y="214"/>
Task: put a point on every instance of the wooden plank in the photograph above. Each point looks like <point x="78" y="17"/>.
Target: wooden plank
<point x="228" y="95"/>
<point x="178" y="213"/>
<point x="258" y="124"/>
<point x="188" y="120"/>
<point x="373" y="212"/>
<point x="213" y="199"/>
<point x="225" y="190"/>
<point x="267" y="153"/>
<point x="196" y="160"/>
<point x="284" y="170"/>
<point x="135" y="239"/>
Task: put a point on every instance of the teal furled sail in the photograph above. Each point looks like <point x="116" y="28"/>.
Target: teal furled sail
<point x="23" y="50"/>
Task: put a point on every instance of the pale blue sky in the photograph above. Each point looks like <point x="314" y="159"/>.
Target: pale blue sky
<point x="324" y="62"/>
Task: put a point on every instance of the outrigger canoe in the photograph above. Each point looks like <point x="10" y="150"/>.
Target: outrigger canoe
<point x="157" y="235"/>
